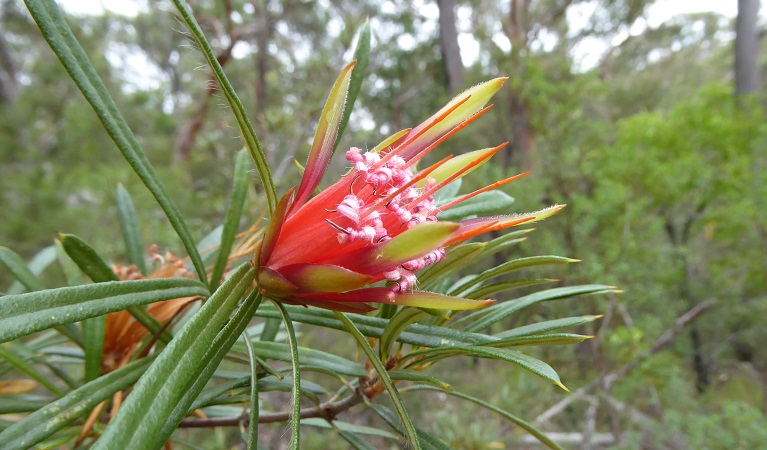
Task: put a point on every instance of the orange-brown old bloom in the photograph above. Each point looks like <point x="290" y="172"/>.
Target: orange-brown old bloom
<point x="378" y="224"/>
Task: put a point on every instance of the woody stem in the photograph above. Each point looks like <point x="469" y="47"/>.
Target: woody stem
<point x="327" y="410"/>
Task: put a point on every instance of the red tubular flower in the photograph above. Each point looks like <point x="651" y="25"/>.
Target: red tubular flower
<point x="379" y="222"/>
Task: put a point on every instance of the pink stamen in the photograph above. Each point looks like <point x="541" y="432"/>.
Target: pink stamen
<point x="428" y="192"/>
<point x="390" y="197"/>
<point x="428" y="127"/>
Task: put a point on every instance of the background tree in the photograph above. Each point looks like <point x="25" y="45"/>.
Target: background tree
<point x="628" y="120"/>
<point x="747" y="47"/>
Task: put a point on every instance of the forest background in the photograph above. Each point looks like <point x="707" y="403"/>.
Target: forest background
<point x="652" y="131"/>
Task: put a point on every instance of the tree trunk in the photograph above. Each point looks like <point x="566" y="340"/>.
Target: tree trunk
<point x="8" y="74"/>
<point x="521" y="142"/>
<point x="187" y="134"/>
<point x="679" y="239"/>
<point x="448" y="43"/>
<point x="264" y="34"/>
<point x="702" y="371"/>
<point x="747" y="47"/>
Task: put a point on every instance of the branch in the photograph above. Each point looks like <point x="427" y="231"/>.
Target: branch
<point x="661" y="343"/>
<point x="327" y="410"/>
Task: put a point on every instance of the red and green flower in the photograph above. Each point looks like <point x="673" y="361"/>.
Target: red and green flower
<point x="364" y="239"/>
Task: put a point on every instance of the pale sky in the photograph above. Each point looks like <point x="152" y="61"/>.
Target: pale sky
<point x="659" y="12"/>
<point x="586" y="55"/>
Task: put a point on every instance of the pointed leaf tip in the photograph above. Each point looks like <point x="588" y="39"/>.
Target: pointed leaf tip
<point x="325" y="136"/>
<point x="461" y="108"/>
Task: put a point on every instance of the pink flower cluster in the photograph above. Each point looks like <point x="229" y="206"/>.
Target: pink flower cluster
<point x="386" y="203"/>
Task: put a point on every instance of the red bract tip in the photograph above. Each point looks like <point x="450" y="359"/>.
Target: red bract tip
<point x="490" y="187"/>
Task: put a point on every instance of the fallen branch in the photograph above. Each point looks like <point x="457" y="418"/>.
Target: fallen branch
<point x="572" y="438"/>
<point x="661" y="343"/>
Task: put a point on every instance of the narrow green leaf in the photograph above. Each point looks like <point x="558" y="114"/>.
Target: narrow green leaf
<point x="387" y="311"/>
<point x="271" y="328"/>
<point x="354" y="441"/>
<point x="99" y="271"/>
<point x="416" y="334"/>
<point x="503" y="242"/>
<point x="27" y="277"/>
<point x="395" y="327"/>
<point x="24" y="314"/>
<point x="308" y="356"/>
<point x="541" y="339"/>
<point x="87" y="259"/>
<point x="45" y="357"/>
<point x="208" y="396"/>
<point x="526" y="362"/>
<point x="18" y="268"/>
<point x="20" y="363"/>
<point x="72" y="273"/>
<point x="61" y="439"/>
<point x="36" y="265"/>
<point x="308" y="389"/>
<point x="248" y="133"/>
<point x="62" y="41"/>
<point x="362" y="56"/>
<point x="546" y="326"/>
<point x="22" y="404"/>
<point x="95" y="328"/>
<point x="295" y="420"/>
<point x="496" y="288"/>
<point x="208" y="245"/>
<point x="419" y="377"/>
<point x="233" y="215"/>
<point x="508" y="267"/>
<point x="126" y="214"/>
<point x="500" y="311"/>
<point x="427" y="441"/>
<point x="484" y="204"/>
<point x="527" y="426"/>
<point x="268" y="369"/>
<point x="208" y="363"/>
<point x="349" y="427"/>
<point x="158" y="392"/>
<point x="383" y="376"/>
<point x="93" y="337"/>
<point x="56" y="415"/>
<point x="253" y="413"/>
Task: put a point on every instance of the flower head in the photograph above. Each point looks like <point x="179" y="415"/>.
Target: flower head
<point x="123" y="334"/>
<point x="379" y="222"/>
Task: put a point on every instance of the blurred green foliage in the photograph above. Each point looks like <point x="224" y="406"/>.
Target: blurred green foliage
<point x="663" y="171"/>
